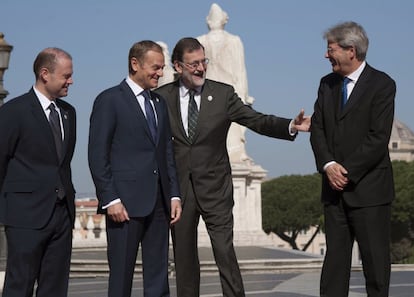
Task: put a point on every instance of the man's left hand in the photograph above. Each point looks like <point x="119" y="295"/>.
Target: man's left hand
<point x="176" y="211"/>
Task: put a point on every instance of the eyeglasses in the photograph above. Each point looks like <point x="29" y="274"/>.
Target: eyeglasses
<point x="194" y="65"/>
<point x="331" y="50"/>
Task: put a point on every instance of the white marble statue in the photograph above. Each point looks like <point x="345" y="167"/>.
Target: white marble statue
<point x="169" y="72"/>
<point x="226" y="54"/>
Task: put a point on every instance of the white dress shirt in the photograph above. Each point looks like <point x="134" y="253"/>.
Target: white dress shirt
<point x="45" y="103"/>
<point x="184" y="99"/>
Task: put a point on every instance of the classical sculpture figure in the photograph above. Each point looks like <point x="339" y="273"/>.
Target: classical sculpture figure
<point x="169" y="72"/>
<point x="226" y="54"/>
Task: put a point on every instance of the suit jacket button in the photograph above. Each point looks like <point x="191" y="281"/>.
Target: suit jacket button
<point x="56" y="190"/>
<point x="155" y="171"/>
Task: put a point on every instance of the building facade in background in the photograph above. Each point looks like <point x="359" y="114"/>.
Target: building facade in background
<point x="401" y="145"/>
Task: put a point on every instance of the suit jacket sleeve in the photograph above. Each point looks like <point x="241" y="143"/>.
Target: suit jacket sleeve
<point x="245" y="115"/>
<point x="8" y="140"/>
<point x="174" y="188"/>
<point x="319" y="140"/>
<point x="101" y="130"/>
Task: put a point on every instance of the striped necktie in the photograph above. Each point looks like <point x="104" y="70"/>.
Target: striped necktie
<point x="192" y="116"/>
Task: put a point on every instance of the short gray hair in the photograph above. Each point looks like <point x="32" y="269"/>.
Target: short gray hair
<point x="349" y="34"/>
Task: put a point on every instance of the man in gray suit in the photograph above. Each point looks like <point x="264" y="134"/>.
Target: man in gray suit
<point x="201" y="112"/>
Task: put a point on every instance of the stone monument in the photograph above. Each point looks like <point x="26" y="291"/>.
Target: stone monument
<point x="169" y="73"/>
<point x="226" y="54"/>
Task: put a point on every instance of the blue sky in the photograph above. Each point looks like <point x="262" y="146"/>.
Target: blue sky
<point x="283" y="43"/>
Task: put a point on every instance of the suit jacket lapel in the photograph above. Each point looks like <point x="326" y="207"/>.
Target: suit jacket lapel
<point x="65" y="122"/>
<point x="176" y="110"/>
<point x="158" y="112"/>
<point x="44" y="125"/>
<point x="358" y="91"/>
<point x="206" y="103"/>
<point x="133" y="103"/>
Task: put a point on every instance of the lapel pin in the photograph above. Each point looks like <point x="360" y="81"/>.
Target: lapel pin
<point x="210" y="98"/>
<point x="157" y="99"/>
<point x="65" y="116"/>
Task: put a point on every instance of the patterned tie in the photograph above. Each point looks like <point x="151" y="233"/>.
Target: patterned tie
<point x="192" y="116"/>
<point x="149" y="111"/>
<point x="345" y="91"/>
<point x="54" y="121"/>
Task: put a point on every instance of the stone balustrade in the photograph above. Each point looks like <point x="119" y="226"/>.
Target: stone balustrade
<point x="89" y="226"/>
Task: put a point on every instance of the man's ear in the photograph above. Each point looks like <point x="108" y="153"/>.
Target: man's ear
<point x="352" y="52"/>
<point x="134" y="64"/>
<point x="44" y="74"/>
<point x="178" y="67"/>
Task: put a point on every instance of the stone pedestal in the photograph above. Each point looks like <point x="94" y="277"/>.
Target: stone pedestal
<point x="247" y="212"/>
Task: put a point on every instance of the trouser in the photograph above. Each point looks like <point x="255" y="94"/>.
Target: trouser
<point x="220" y="229"/>
<point x="370" y="227"/>
<point x="41" y="255"/>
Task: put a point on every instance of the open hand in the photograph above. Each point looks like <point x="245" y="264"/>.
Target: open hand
<point x="301" y="122"/>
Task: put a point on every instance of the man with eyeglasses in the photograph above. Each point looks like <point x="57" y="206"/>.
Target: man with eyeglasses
<point x="351" y="128"/>
<point x="201" y="111"/>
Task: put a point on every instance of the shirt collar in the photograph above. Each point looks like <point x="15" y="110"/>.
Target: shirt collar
<point x="136" y="89"/>
<point x="354" y="76"/>
<point x="184" y="90"/>
<point x="44" y="101"/>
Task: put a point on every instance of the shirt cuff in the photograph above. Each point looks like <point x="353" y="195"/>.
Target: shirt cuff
<point x="292" y="131"/>
<point x="175" y="198"/>
<point x="111" y="203"/>
<point x="328" y="164"/>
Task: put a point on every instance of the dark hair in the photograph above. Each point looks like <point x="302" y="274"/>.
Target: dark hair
<point x="185" y="45"/>
<point x="48" y="59"/>
<point x="139" y="50"/>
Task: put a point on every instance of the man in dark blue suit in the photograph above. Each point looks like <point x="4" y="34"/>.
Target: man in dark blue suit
<point x="37" y="140"/>
<point x="132" y="164"/>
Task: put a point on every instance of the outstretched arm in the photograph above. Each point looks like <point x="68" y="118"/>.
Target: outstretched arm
<point x="301" y="122"/>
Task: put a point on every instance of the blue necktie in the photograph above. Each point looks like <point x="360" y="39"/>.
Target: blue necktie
<point x="149" y="111"/>
<point x="345" y="90"/>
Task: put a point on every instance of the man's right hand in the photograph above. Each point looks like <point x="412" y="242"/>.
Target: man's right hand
<point x="337" y="176"/>
<point x="117" y="213"/>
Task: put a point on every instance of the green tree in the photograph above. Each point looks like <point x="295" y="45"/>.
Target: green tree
<point x="402" y="214"/>
<point x="291" y="204"/>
